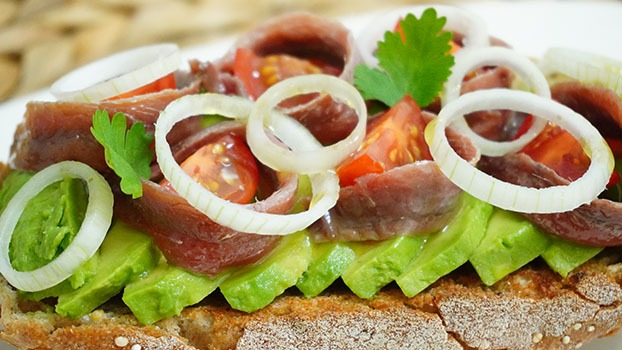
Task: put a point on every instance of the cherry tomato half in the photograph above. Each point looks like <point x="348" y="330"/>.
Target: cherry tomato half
<point x="560" y="151"/>
<point x="226" y="167"/>
<point x="393" y="139"/>
<point x="258" y="73"/>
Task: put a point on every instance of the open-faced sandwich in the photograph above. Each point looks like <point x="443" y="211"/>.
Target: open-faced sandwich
<point x="426" y="187"/>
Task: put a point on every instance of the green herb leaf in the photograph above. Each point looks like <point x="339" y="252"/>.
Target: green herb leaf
<point x="127" y="152"/>
<point x="417" y="64"/>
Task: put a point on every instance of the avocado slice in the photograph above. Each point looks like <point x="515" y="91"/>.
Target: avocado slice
<point x="379" y="263"/>
<point x="11" y="184"/>
<point x="125" y="254"/>
<point x="563" y="256"/>
<point x="83" y="274"/>
<point x="448" y="249"/>
<point x="329" y="261"/>
<point x="166" y="291"/>
<point x="253" y="287"/>
<point x="49" y="222"/>
<point x="511" y="241"/>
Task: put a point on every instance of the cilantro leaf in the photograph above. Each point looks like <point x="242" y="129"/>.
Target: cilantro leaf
<point x="127" y="152"/>
<point x="415" y="64"/>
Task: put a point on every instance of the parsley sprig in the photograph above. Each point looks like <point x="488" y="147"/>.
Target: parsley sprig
<point x="416" y="64"/>
<point x="127" y="152"/>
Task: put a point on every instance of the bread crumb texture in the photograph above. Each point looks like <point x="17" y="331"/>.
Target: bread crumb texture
<point x="530" y="309"/>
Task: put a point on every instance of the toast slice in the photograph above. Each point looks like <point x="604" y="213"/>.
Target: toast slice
<point x="533" y="308"/>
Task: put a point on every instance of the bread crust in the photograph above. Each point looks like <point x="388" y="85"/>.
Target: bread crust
<point x="533" y="308"/>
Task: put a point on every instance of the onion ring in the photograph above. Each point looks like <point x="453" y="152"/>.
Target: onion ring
<point x="325" y="185"/>
<point x="467" y="60"/>
<point x="304" y="157"/>
<point x="509" y="196"/>
<point x="87" y="241"/>
<point x="117" y="74"/>
<point x="584" y="66"/>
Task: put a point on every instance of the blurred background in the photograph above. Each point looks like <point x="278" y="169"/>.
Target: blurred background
<point x="40" y="40"/>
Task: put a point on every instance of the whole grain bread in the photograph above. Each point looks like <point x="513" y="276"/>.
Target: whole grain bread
<point x="533" y="308"/>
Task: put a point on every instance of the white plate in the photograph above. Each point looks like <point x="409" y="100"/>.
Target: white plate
<point x="530" y="27"/>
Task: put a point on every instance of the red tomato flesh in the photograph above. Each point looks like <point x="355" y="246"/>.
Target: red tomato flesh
<point x="393" y="139"/>
<point x="560" y="151"/>
<point x="226" y="167"/>
<point x="166" y="82"/>
<point x="258" y="73"/>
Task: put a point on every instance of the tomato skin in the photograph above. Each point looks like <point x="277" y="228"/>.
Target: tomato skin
<point x="616" y="149"/>
<point x="226" y="167"/>
<point x="524" y="127"/>
<point x="616" y="146"/>
<point x="614" y="179"/>
<point x="246" y="66"/>
<point x="393" y="139"/>
<point x="166" y="82"/>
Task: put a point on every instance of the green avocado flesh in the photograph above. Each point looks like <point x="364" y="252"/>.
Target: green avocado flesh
<point x="166" y="291"/>
<point x="510" y="242"/>
<point x="329" y="261"/>
<point x="11" y="184"/>
<point x="49" y="223"/>
<point x="255" y="287"/>
<point x="495" y="242"/>
<point x="75" y="281"/>
<point x="379" y="263"/>
<point x="125" y="255"/>
<point x="449" y="249"/>
<point x="563" y="256"/>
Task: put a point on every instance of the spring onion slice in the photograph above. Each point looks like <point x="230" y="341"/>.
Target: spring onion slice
<point x="306" y="158"/>
<point x="584" y="66"/>
<point x="117" y="74"/>
<point x="325" y="184"/>
<point x="458" y="20"/>
<point x="87" y="241"/>
<point x="509" y="196"/>
<point x="467" y="60"/>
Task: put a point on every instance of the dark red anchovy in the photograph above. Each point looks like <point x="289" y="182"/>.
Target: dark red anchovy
<point x="598" y="223"/>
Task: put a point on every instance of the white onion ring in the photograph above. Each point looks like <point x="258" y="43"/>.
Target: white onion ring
<point x="584" y="66"/>
<point x="87" y="241"/>
<point x="117" y="74"/>
<point x="509" y="196"/>
<point x="458" y="19"/>
<point x="242" y="218"/>
<point x="304" y="157"/>
<point x="467" y="60"/>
